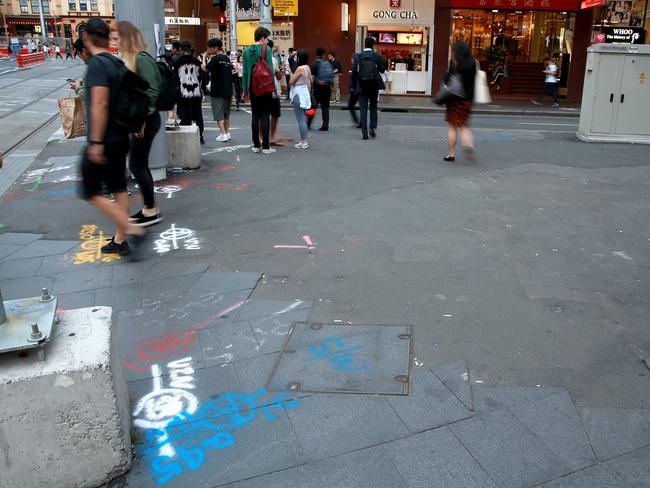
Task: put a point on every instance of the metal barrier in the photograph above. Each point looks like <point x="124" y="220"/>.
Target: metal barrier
<point x="25" y="60"/>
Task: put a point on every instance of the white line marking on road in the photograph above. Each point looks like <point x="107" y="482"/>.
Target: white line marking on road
<point x="621" y="254"/>
<point x="543" y="123"/>
<point x="297" y="303"/>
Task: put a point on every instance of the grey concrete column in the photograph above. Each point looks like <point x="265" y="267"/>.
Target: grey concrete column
<point x="3" y="314"/>
<point x="232" y="10"/>
<point x="43" y="25"/>
<point x="145" y="15"/>
<point x="266" y="19"/>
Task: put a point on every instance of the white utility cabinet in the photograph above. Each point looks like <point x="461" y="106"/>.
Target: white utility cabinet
<point x="616" y="94"/>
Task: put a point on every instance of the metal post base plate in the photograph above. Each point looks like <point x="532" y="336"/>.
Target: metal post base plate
<point x="16" y="332"/>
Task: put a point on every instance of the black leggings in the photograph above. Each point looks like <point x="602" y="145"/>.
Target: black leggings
<point x="261" y="108"/>
<point x="139" y="159"/>
<point x="189" y="110"/>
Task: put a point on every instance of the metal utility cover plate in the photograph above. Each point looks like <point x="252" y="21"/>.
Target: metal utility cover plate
<point x="331" y="358"/>
<point x="21" y="314"/>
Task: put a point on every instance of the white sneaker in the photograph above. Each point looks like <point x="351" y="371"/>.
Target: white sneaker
<point x="228" y="136"/>
<point x="268" y="151"/>
<point x="257" y="149"/>
<point x="222" y="137"/>
<point x="301" y="145"/>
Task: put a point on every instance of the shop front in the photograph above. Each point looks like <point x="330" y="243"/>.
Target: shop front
<point x="512" y="38"/>
<point x="403" y="33"/>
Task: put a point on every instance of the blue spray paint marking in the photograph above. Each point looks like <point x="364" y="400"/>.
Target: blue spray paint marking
<point x="341" y="358"/>
<point x="495" y="137"/>
<point x="60" y="193"/>
<point x="210" y="428"/>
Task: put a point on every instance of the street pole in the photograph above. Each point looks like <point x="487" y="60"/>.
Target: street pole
<point x="266" y="19"/>
<point x="43" y="26"/>
<point x="146" y="16"/>
<point x="232" y="6"/>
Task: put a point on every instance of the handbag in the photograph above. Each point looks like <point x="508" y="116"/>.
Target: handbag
<point x="481" y="89"/>
<point x="73" y="117"/>
<point x="452" y="88"/>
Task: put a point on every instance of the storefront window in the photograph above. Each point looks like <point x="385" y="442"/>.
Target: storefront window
<point x="72" y="5"/>
<point x="83" y="6"/>
<point x="630" y="13"/>
<point x="526" y="36"/>
<point x="24" y="9"/>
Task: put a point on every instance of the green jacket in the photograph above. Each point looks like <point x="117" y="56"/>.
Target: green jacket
<point x="250" y="57"/>
<point x="147" y="67"/>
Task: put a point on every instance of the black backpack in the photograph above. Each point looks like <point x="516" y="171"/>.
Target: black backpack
<point x="169" y="88"/>
<point x="368" y="73"/>
<point x="130" y="105"/>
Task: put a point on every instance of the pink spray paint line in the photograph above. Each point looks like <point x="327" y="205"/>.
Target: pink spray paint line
<point x="307" y="239"/>
<point x="238" y="159"/>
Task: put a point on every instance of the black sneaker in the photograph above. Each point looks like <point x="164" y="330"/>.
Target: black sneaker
<point x="202" y="141"/>
<point x="143" y="221"/>
<point x="136" y="216"/>
<point x="372" y="133"/>
<point x="113" y="247"/>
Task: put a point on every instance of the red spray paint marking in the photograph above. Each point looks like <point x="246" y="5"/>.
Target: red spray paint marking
<point x="228" y="186"/>
<point x="224" y="169"/>
<point x="162" y="346"/>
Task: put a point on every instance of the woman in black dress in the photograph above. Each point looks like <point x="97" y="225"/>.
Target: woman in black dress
<point x="459" y="109"/>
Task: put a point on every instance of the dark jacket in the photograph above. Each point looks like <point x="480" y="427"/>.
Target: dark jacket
<point x="355" y="72"/>
<point x="468" y="75"/>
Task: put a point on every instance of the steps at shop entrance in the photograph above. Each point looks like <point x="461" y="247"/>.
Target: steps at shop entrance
<point x="526" y="78"/>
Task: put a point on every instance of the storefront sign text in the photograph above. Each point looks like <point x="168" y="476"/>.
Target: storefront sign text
<point x="285" y="8"/>
<point x="624" y="35"/>
<point x="182" y="21"/>
<point x="517" y="4"/>
<point x="395" y="14"/>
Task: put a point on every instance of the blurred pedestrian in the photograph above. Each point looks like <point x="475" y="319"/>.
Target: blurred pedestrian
<point x="323" y="80"/>
<point x="337" y="69"/>
<point x="188" y="70"/>
<point x="290" y="67"/>
<point x="104" y="161"/>
<point x="459" y="108"/>
<point x="134" y="52"/>
<point x="366" y="75"/>
<point x="221" y="80"/>
<point x="57" y="50"/>
<point x="353" y="98"/>
<point x="300" y="95"/>
<point x="276" y="109"/>
<point x="79" y="86"/>
<point x="550" y="83"/>
<point x="237" y="80"/>
<point x="258" y="83"/>
<point x="68" y="50"/>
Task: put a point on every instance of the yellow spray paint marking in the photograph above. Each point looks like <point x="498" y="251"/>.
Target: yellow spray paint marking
<point x="93" y="240"/>
<point x="642" y="78"/>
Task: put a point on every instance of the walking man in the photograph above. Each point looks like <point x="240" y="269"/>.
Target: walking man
<point x="323" y="75"/>
<point x="290" y="68"/>
<point x="188" y="70"/>
<point x="221" y="80"/>
<point x="258" y="83"/>
<point x="366" y="78"/>
<point x="104" y="161"/>
<point x="550" y="83"/>
<point x="57" y="50"/>
<point x="338" y="70"/>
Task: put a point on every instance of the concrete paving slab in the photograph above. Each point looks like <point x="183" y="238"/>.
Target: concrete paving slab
<point x="133" y="273"/>
<point x="555" y="421"/>
<point x="430" y="403"/>
<point x="455" y="376"/>
<point x="83" y="280"/>
<point x="19" y="268"/>
<point x="6" y="250"/>
<point x="165" y="269"/>
<point x="488" y="398"/>
<point x="512" y="456"/>
<point x="368" y="468"/>
<point x="72" y="301"/>
<point x="263" y="308"/>
<point x="436" y="458"/>
<point x="616" y="431"/>
<point x="18" y="238"/>
<point x="634" y="467"/>
<point x="124" y="297"/>
<point x="202" y="310"/>
<point x="167" y="290"/>
<point x="228" y="342"/>
<point x="64" y="263"/>
<point x="138" y="323"/>
<point x="254" y="372"/>
<point x="42" y="248"/>
<point x="346" y="358"/>
<point x="592" y="477"/>
<point x="221" y="283"/>
<point x="327" y="425"/>
<point x="30" y="286"/>
<point x="272" y="331"/>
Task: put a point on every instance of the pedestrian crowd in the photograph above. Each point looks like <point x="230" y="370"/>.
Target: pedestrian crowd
<point x="124" y="96"/>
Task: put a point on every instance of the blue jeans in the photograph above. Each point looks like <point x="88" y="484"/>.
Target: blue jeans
<point x="301" y="118"/>
<point x="545" y="88"/>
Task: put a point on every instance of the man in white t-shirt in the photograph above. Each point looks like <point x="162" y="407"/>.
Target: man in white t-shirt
<point x="550" y="83"/>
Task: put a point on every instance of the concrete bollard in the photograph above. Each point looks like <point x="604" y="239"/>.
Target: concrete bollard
<point x="66" y="421"/>
<point x="184" y="146"/>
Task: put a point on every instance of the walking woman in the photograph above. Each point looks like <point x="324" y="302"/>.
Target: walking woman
<point x="135" y="56"/>
<point x="237" y="76"/>
<point x="460" y="108"/>
<point x="300" y="95"/>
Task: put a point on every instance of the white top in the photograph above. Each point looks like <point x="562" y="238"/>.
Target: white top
<point x="552" y="69"/>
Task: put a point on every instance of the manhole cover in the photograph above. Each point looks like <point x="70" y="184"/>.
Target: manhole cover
<point x="329" y="358"/>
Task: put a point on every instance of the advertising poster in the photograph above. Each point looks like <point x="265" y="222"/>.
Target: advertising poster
<point x="625" y="12"/>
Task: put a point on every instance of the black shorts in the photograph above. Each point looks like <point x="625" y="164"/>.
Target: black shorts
<point x="112" y="174"/>
<point x="275" y="107"/>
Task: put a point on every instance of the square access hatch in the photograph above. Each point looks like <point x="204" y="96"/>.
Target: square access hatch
<point x="333" y="358"/>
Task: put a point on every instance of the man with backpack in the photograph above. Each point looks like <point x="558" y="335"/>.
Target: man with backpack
<point x="366" y="78"/>
<point x="104" y="161"/>
<point x="221" y="80"/>
<point x="258" y="81"/>
<point x="323" y="74"/>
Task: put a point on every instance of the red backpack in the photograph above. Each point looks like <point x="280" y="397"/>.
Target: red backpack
<point x="262" y="82"/>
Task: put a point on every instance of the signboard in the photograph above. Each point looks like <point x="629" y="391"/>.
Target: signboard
<point x="395" y="13"/>
<point x="624" y="35"/>
<point x="591" y="3"/>
<point x="182" y="21"/>
<point x="560" y="5"/>
<point x="249" y="13"/>
<point x="283" y="8"/>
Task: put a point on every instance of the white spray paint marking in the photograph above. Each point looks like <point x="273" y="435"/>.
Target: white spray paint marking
<point x="464" y="376"/>
<point x="228" y="149"/>
<point x="174" y="237"/>
<point x="294" y="305"/>
<point x="168" y="190"/>
<point x="621" y="254"/>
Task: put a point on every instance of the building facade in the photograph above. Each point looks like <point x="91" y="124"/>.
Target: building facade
<point x="22" y="17"/>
